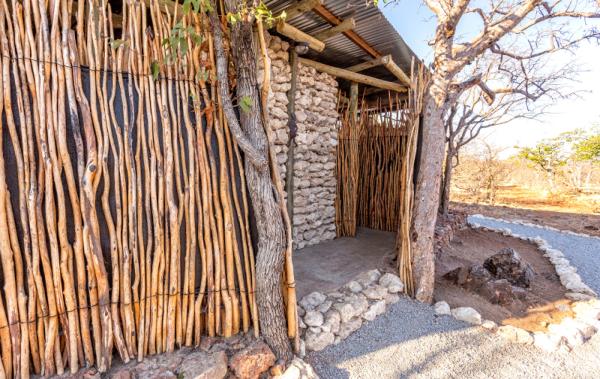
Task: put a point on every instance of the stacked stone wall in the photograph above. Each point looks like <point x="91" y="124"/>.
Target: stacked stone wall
<point x="315" y="143"/>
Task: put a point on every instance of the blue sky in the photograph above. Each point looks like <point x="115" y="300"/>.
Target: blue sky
<point x="416" y="24"/>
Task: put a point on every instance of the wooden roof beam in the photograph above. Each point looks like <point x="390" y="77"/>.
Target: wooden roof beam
<point x="397" y="71"/>
<point x="301" y="7"/>
<point x="386" y="61"/>
<point x="353" y="76"/>
<point x="346" y="25"/>
<point x="298" y="35"/>
<point x="381" y="61"/>
<point x="350" y="34"/>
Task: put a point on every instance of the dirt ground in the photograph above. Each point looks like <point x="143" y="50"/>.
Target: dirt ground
<point x="544" y="301"/>
<point x="561" y="219"/>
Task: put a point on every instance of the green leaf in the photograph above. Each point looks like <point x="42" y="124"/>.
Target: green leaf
<point x="155" y="68"/>
<point x="186" y="7"/>
<point x="246" y="104"/>
<point x="116" y="43"/>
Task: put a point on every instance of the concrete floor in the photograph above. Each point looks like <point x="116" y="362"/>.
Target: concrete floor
<point x="329" y="265"/>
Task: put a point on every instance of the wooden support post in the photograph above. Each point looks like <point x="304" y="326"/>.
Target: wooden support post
<point x="347" y="24"/>
<point x="353" y="76"/>
<point x="354" y="102"/>
<point x="298" y="35"/>
<point x="301" y="7"/>
<point x="293" y="128"/>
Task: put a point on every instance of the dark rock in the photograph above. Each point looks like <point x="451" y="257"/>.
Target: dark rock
<point x="507" y="264"/>
<point x="477" y="278"/>
<point x="472" y="278"/>
<point x="458" y="276"/>
<point x="498" y="292"/>
<point x="252" y="361"/>
<point x="591" y="227"/>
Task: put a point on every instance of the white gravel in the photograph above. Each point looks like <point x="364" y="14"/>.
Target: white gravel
<point x="410" y="341"/>
<point x="582" y="252"/>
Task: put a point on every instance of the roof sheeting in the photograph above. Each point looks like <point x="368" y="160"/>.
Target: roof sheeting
<point x="340" y="51"/>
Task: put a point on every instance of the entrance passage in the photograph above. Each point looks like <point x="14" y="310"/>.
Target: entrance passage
<point x="329" y="265"/>
<point x="371" y="168"/>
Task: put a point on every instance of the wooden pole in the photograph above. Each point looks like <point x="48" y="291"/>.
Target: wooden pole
<point x="292" y="128"/>
<point x="344" y="26"/>
<point x="299" y="36"/>
<point x="301" y="7"/>
<point x="353" y="76"/>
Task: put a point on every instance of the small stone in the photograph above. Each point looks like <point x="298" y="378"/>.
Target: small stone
<point x="467" y="314"/>
<point x="345" y="310"/>
<point x="298" y="369"/>
<point x="313" y="318"/>
<point x="332" y="321"/>
<point x="349" y="327"/>
<point x="318" y="341"/>
<point x="569" y="331"/>
<point x="367" y="278"/>
<point x="354" y="286"/>
<point x="312" y="300"/>
<point x="325" y="306"/>
<point x="441" y="308"/>
<point x="489" y="324"/>
<point x="392" y="283"/>
<point x="252" y="361"/>
<point x="391" y="298"/>
<point x="515" y="334"/>
<point x="375" y="292"/>
<point x="374" y="310"/>
<point x="547" y="342"/>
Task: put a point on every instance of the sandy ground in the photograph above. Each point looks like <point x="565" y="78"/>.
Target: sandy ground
<point x="410" y="341"/>
<point x="543" y="300"/>
<point x="577" y="222"/>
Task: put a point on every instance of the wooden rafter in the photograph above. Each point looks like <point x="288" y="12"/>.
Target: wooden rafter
<point x="301" y="7"/>
<point x="346" y="25"/>
<point x="351" y="34"/>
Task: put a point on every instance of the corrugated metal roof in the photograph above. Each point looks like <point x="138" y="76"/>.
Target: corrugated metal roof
<point x="371" y="25"/>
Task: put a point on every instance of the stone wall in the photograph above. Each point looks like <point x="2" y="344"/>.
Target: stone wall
<point x="316" y="142"/>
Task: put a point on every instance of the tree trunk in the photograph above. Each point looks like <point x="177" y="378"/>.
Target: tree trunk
<point x="427" y="193"/>
<point x="269" y="222"/>
<point x="446" y="181"/>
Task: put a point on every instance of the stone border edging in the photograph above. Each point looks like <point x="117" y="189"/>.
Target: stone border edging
<point x="525" y="223"/>
<point x="571" y="332"/>
<point x="327" y="319"/>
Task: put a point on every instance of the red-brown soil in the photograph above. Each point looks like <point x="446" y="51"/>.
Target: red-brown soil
<point x="544" y="302"/>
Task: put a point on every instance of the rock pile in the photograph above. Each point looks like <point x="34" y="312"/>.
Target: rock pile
<point x="329" y="319"/>
<point x="500" y="280"/>
<point x="240" y="357"/>
<point x="507" y="264"/>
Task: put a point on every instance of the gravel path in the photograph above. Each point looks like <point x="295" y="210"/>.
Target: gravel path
<point x="410" y="341"/>
<point x="582" y="252"/>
